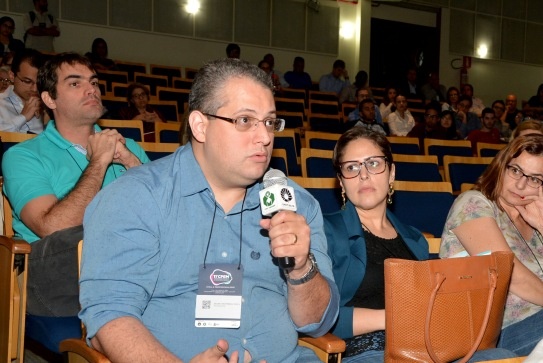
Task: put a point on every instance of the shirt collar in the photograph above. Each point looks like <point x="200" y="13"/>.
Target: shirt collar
<point x="193" y="180"/>
<point x="51" y="132"/>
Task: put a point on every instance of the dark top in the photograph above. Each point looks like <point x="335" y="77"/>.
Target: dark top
<point x="105" y="62"/>
<point x="535" y="101"/>
<point x="14" y="45"/>
<point x="298" y="80"/>
<point x="128" y="113"/>
<point x="371" y="292"/>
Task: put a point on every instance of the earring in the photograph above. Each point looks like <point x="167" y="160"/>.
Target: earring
<point x="344" y="199"/>
<point x="390" y="192"/>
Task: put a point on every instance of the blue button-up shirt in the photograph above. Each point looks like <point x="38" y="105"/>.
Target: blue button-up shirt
<point x="146" y="235"/>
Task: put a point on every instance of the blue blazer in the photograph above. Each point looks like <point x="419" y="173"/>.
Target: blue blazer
<point x="347" y="249"/>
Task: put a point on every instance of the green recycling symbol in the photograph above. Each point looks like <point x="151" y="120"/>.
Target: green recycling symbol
<point x="269" y="198"/>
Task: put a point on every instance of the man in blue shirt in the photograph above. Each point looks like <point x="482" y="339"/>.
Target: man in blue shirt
<point x="148" y="260"/>
<point x="335" y="81"/>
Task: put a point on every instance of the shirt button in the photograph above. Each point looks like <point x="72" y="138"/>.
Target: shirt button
<point x="224" y="254"/>
<point x="244" y="341"/>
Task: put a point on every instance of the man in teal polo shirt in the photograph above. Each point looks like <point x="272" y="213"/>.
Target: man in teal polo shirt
<point x="50" y="179"/>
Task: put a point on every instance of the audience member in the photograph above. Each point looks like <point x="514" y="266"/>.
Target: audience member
<point x="41" y="28"/>
<point x="265" y="66"/>
<point x="448" y="124"/>
<point x="410" y="86"/>
<point x="162" y="248"/>
<point x="477" y="104"/>
<point x="367" y="117"/>
<point x="98" y="56"/>
<point x="64" y="168"/>
<point x="528" y="127"/>
<point x="451" y="102"/>
<point x="433" y="90"/>
<point x="348" y="94"/>
<point x="534" y="101"/>
<point x="5" y="78"/>
<point x="9" y="44"/>
<point x="138" y="96"/>
<point x="233" y="51"/>
<point x="362" y="94"/>
<point x="275" y="73"/>
<point x="7" y="59"/>
<point x="21" y="109"/>
<point x="297" y="78"/>
<point x="335" y="81"/>
<point x="513" y="116"/>
<point x="503" y="213"/>
<point x="387" y="106"/>
<point x="466" y="121"/>
<point x="499" y="110"/>
<point x="361" y="236"/>
<point x="488" y="133"/>
<point x="400" y="122"/>
<point x="430" y="128"/>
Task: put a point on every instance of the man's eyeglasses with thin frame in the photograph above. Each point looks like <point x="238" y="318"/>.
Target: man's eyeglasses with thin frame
<point x="246" y="123"/>
<point x="373" y="164"/>
<point x="516" y="173"/>
<point x="27" y="82"/>
<point x="6" y="81"/>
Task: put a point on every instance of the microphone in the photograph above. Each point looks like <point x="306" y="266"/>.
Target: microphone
<point x="275" y="197"/>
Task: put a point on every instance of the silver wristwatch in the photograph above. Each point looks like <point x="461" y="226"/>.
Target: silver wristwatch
<point x="308" y="275"/>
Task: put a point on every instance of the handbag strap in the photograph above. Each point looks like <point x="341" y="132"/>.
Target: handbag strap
<point x="439" y="281"/>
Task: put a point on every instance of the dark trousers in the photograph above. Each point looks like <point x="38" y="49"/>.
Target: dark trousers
<point x="53" y="284"/>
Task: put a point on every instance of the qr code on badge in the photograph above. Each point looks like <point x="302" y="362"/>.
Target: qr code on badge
<point x="206" y="304"/>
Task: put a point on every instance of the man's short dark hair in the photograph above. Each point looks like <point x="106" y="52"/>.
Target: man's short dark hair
<point x="339" y="64"/>
<point x="466" y="98"/>
<point x="47" y="75"/>
<point x="433" y="105"/>
<point x="468" y="85"/>
<point x="363" y="102"/>
<point x="299" y="59"/>
<point x="205" y="93"/>
<point x="231" y="47"/>
<point x="487" y="110"/>
<point x="498" y="101"/>
<point x="31" y="56"/>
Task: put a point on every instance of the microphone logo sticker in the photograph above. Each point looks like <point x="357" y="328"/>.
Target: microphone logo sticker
<point x="285" y="194"/>
<point x="220" y="277"/>
<point x="268" y="199"/>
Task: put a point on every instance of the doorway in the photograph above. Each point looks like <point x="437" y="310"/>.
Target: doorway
<point x="396" y="46"/>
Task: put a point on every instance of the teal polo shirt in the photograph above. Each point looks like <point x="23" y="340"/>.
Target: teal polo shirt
<point x="48" y="164"/>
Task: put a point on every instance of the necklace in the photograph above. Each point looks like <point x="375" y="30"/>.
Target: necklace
<point x="526" y="243"/>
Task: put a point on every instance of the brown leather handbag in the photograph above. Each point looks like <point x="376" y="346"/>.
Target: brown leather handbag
<point x="444" y="309"/>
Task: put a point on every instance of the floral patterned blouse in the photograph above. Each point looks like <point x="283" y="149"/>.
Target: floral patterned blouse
<point x="473" y="204"/>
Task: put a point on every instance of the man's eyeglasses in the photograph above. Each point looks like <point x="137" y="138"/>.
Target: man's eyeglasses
<point x="245" y="123"/>
<point x="27" y="82"/>
<point x="373" y="164"/>
<point x="531" y="180"/>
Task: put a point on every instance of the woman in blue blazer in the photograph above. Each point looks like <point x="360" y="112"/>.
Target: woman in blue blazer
<point x="361" y="236"/>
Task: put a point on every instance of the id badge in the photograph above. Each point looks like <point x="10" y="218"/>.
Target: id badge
<point x="218" y="303"/>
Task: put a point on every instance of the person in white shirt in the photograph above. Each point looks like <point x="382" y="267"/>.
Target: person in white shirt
<point x="41" y="28"/>
<point x="20" y="104"/>
<point x="400" y="122"/>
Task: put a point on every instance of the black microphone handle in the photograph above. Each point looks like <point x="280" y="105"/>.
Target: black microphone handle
<point x="287" y="263"/>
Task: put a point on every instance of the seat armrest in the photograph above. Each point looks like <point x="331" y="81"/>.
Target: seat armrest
<point x="328" y="343"/>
